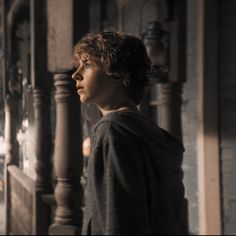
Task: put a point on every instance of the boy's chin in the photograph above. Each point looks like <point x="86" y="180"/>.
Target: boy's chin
<point x="85" y="100"/>
<point x="88" y="100"/>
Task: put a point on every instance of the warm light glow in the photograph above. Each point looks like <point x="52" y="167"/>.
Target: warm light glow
<point x="2" y="146"/>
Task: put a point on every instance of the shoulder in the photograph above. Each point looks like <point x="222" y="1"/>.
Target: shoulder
<point x="117" y="126"/>
<point x="114" y="144"/>
<point x="107" y="130"/>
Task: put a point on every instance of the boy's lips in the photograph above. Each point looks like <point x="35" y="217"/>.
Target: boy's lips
<point x="79" y="90"/>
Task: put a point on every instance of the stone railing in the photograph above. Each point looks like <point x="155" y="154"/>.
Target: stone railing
<point x="21" y="202"/>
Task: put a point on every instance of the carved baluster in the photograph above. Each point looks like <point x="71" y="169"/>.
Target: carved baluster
<point x="41" y="83"/>
<point x="68" y="158"/>
<point x="43" y="151"/>
<point x="43" y="147"/>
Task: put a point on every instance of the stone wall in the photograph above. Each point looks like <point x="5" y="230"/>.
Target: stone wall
<point x="189" y="120"/>
<point x="227" y="72"/>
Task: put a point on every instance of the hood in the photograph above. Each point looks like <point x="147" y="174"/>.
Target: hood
<point x="139" y="125"/>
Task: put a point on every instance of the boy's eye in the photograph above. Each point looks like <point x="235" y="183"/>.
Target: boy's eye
<point x="88" y="65"/>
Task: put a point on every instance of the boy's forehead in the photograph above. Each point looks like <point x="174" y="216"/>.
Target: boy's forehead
<point x="85" y="56"/>
<point x="82" y="58"/>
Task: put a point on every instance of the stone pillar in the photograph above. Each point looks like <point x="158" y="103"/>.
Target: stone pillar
<point x="43" y="147"/>
<point x="68" y="158"/>
<point x="11" y="149"/>
<point x="43" y="152"/>
<point x="41" y="82"/>
<point x="208" y="135"/>
<point x="10" y="130"/>
<point x="171" y="91"/>
<point x="63" y="33"/>
<point x="170" y="109"/>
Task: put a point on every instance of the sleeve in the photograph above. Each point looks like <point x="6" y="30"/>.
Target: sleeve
<point x="120" y="190"/>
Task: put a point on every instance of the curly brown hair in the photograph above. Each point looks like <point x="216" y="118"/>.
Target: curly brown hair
<point x="123" y="56"/>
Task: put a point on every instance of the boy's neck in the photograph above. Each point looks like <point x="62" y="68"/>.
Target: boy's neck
<point x="123" y="106"/>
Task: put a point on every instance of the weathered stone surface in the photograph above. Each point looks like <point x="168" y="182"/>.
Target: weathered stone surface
<point x="227" y="70"/>
<point x="21" y="198"/>
<point x="190" y="121"/>
<point x="60" y="34"/>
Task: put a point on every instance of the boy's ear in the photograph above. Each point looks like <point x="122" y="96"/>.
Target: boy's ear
<point x="118" y="82"/>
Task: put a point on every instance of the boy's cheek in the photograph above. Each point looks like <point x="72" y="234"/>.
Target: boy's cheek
<point x="82" y="98"/>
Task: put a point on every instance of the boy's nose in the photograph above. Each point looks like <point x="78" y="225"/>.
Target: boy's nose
<point x="74" y="75"/>
<point x="77" y="76"/>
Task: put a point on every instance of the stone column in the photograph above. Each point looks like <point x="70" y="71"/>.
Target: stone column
<point x="43" y="152"/>
<point x="11" y="149"/>
<point x="10" y="130"/>
<point x="171" y="92"/>
<point x="68" y="158"/>
<point x="63" y="33"/>
<point x="170" y="109"/>
<point x="41" y="82"/>
<point x="43" y="147"/>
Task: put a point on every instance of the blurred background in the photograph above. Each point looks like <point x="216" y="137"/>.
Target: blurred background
<point x="45" y="131"/>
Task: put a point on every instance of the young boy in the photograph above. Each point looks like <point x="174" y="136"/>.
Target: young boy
<point x="134" y="176"/>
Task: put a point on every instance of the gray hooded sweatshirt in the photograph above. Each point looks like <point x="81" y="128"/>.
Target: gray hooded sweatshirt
<point x="134" y="182"/>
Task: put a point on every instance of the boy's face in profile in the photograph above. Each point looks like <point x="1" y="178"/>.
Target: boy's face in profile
<point x="92" y="83"/>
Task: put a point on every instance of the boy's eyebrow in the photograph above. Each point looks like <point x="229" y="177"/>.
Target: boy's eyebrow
<point x="78" y="63"/>
<point x="91" y="60"/>
<point x="75" y="63"/>
<point x="85" y="60"/>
